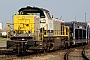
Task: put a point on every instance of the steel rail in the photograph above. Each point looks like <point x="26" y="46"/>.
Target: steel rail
<point x="83" y="54"/>
<point x="66" y="55"/>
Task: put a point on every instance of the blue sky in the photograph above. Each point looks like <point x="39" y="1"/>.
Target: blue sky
<point x="68" y="9"/>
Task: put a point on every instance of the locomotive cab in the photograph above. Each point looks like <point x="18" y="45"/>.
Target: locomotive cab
<point x="42" y="14"/>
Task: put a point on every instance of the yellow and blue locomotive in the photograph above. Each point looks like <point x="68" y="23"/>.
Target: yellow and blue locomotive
<point x="34" y="29"/>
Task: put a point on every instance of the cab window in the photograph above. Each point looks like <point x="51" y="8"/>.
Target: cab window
<point x="48" y="15"/>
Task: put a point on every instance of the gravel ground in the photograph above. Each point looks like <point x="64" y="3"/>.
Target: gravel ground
<point x="58" y="56"/>
<point x="87" y="53"/>
<point x="51" y="56"/>
<point x="76" y="55"/>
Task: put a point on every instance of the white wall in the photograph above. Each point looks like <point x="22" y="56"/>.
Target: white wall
<point x="1" y="25"/>
<point x="89" y="24"/>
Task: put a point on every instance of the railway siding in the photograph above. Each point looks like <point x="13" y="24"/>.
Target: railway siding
<point x="74" y="54"/>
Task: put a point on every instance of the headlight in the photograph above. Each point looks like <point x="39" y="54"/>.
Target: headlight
<point x="14" y="34"/>
<point x="29" y="35"/>
<point x="23" y="17"/>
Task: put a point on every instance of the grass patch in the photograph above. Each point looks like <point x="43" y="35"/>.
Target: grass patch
<point x="2" y="39"/>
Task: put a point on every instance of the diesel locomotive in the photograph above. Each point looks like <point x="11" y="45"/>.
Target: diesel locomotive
<point x="34" y="29"/>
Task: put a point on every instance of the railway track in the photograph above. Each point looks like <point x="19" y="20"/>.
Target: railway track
<point x="77" y="53"/>
<point x="84" y="55"/>
<point x="72" y="53"/>
<point x="87" y="52"/>
<point x="52" y="55"/>
<point x="66" y="55"/>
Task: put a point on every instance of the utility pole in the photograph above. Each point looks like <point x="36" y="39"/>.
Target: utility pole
<point x="85" y="17"/>
<point x="75" y="18"/>
<point x="86" y="26"/>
